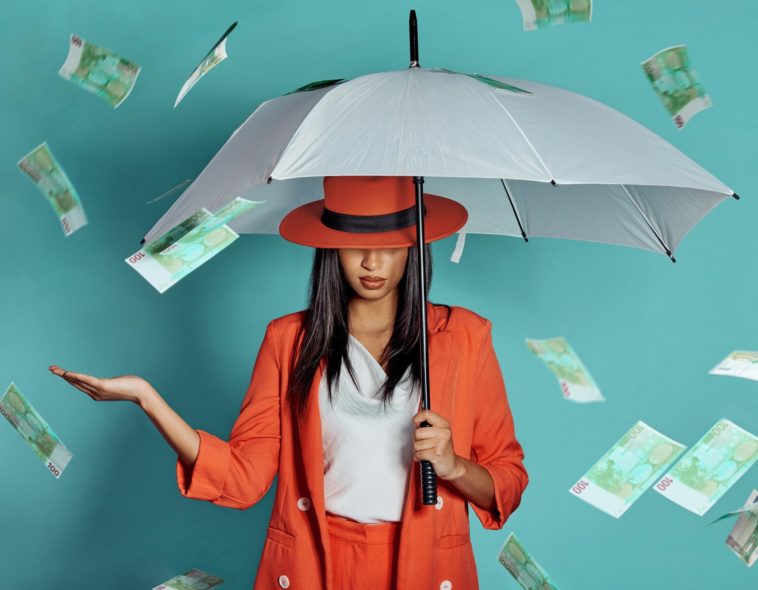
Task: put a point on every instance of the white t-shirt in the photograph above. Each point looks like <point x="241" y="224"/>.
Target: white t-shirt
<point x="368" y="450"/>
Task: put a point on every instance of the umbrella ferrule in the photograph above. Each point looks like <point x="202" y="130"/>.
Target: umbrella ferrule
<point x="413" y="32"/>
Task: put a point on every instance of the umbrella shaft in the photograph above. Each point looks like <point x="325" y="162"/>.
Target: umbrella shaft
<point x="428" y="476"/>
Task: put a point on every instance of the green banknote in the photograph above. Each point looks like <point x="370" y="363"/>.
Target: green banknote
<point x="575" y="380"/>
<point x="676" y="84"/>
<point x="230" y="211"/>
<point x="215" y="56"/>
<point x="185" y="247"/>
<point x="99" y="70"/>
<point x="523" y="567"/>
<point x="192" y="580"/>
<point x="43" y="169"/>
<point x="630" y="467"/>
<point x="743" y="539"/>
<point x="739" y="363"/>
<point x="539" y="14"/>
<point x="710" y="468"/>
<point x="34" y="430"/>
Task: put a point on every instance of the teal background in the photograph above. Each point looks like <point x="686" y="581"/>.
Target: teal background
<point x="649" y="330"/>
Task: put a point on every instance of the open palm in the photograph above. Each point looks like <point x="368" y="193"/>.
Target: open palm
<point x="122" y="388"/>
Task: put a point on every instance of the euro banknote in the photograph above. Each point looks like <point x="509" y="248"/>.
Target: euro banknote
<point x="575" y="380"/>
<point x="523" y="567"/>
<point x="99" y="70"/>
<point x="224" y="215"/>
<point x="750" y="506"/>
<point x="710" y="467"/>
<point x="215" y="56"/>
<point x="631" y="466"/>
<point x="739" y="363"/>
<point x="34" y="430"/>
<point x="743" y="539"/>
<point x="192" y="580"/>
<point x="44" y="170"/>
<point x="539" y="14"/>
<point x="193" y="248"/>
<point x="676" y="84"/>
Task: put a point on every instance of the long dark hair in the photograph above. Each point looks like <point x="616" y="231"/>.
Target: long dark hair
<point x="323" y="334"/>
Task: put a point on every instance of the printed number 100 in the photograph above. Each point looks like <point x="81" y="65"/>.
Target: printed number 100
<point x="580" y="487"/>
<point x="53" y="469"/>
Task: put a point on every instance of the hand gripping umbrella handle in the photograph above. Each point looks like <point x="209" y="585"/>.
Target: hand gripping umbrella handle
<point x="428" y="476"/>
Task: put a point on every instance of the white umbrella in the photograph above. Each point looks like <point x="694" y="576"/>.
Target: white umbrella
<point x="525" y="159"/>
<point x="552" y="163"/>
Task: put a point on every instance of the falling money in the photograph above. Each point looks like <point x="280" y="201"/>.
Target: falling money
<point x="710" y="468"/>
<point x="576" y="382"/>
<point x="43" y="169"/>
<point x="676" y="84"/>
<point x="215" y="56"/>
<point x="620" y="477"/>
<point x="192" y="580"/>
<point x="523" y="567"/>
<point x="99" y="71"/>
<point x="34" y="430"/>
<point x="539" y="14"/>
<point x="185" y="247"/>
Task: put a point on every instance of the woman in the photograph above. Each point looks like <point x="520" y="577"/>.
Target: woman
<point x="334" y="409"/>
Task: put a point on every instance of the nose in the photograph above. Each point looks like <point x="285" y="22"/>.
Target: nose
<point x="370" y="259"/>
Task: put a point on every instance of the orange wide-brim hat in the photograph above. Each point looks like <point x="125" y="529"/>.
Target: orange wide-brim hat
<point x="370" y="212"/>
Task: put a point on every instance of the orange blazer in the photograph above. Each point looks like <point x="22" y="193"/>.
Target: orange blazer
<point x="465" y="386"/>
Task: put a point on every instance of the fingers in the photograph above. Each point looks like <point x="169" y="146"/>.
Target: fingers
<point x="424" y="433"/>
<point x="432" y="418"/>
<point x="80" y="381"/>
<point x="80" y="377"/>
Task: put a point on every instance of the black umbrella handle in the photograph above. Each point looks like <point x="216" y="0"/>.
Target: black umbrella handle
<point x="428" y="476"/>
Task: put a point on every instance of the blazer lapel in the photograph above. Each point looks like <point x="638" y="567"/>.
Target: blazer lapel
<point x="311" y="446"/>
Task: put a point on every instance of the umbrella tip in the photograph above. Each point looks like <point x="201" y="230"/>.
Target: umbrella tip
<point x="413" y="31"/>
<point x="523" y="235"/>
<point x="736" y="196"/>
<point x="268" y="180"/>
<point x="552" y="181"/>
<point x="142" y="242"/>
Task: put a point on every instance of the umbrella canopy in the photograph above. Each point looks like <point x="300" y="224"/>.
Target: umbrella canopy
<point x="542" y="163"/>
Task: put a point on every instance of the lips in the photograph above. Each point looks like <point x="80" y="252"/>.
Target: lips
<point x="372" y="282"/>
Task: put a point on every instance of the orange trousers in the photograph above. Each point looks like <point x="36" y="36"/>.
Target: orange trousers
<point x="363" y="555"/>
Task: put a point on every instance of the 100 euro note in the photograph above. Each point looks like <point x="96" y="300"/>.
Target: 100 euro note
<point x="227" y="213"/>
<point x="523" y="567"/>
<point x="185" y="247"/>
<point x="215" y="56"/>
<point x="710" y="467"/>
<point x="575" y="380"/>
<point x="676" y="84"/>
<point x="621" y="476"/>
<point x="43" y="169"/>
<point x="539" y="14"/>
<point x="739" y="363"/>
<point x="99" y="70"/>
<point x="34" y="430"/>
<point x="743" y="539"/>
<point x="192" y="580"/>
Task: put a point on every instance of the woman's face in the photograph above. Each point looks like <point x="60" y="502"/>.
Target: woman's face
<point x="373" y="272"/>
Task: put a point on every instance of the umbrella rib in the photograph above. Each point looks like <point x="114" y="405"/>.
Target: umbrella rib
<point x="513" y="207"/>
<point x="650" y="225"/>
<point x="526" y="139"/>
